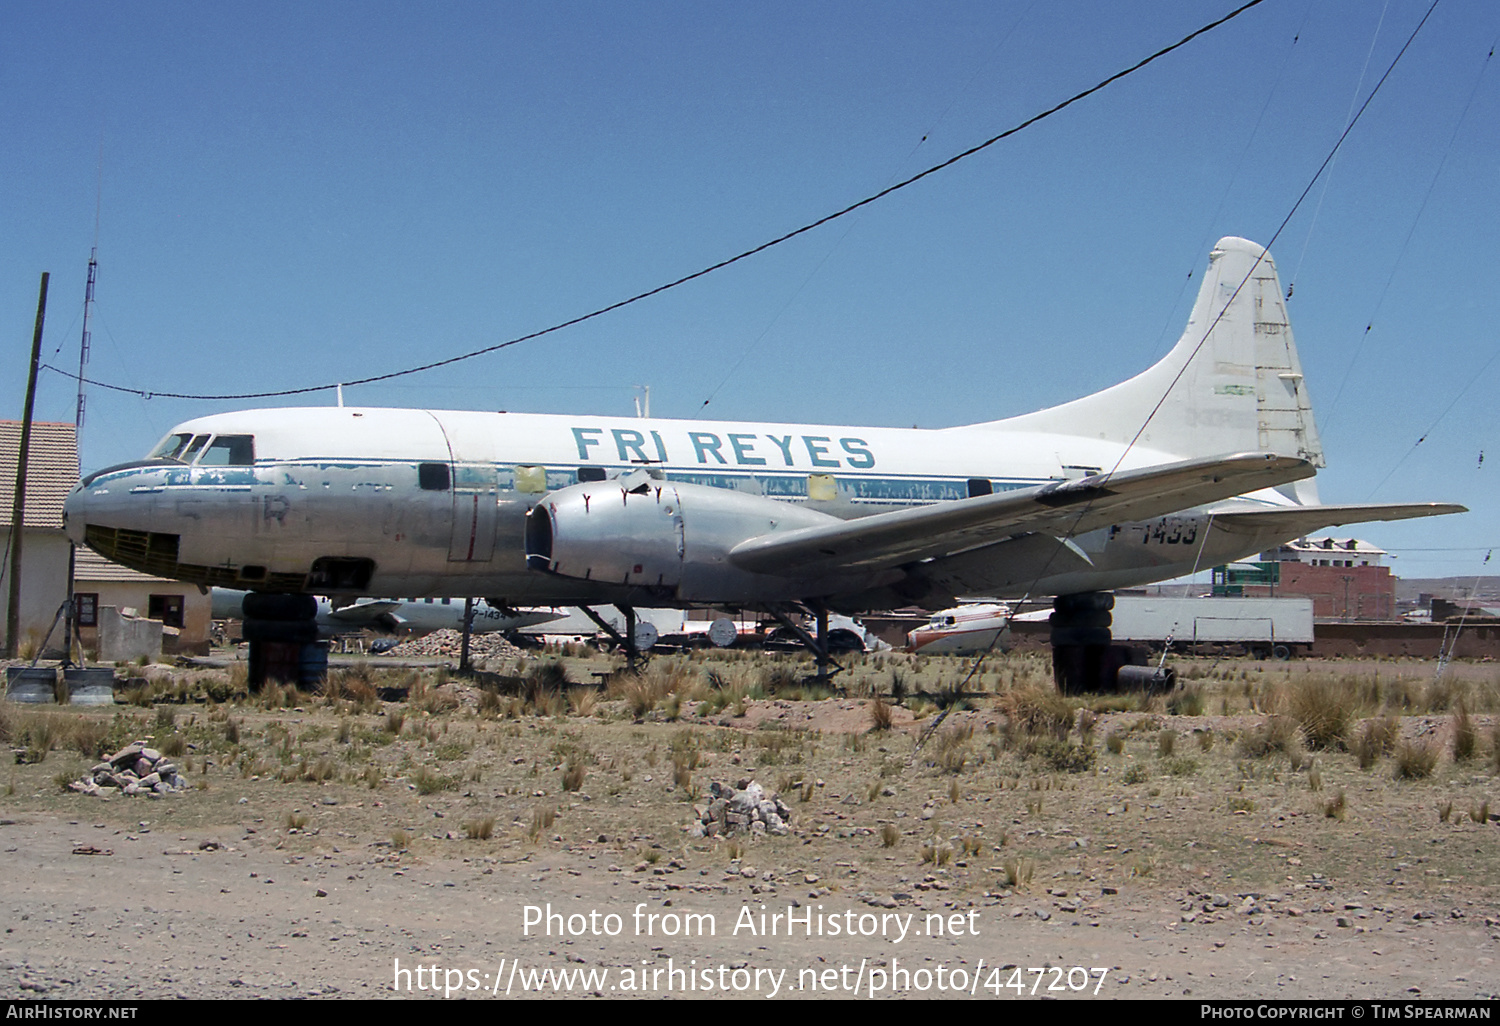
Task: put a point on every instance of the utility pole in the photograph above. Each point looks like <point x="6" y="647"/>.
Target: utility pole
<point x="84" y="345"/>
<point x="18" y="505"/>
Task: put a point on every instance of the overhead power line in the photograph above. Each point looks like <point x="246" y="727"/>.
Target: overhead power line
<point x="145" y="394"/>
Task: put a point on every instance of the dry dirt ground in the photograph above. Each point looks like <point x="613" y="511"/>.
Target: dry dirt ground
<point x="338" y="847"/>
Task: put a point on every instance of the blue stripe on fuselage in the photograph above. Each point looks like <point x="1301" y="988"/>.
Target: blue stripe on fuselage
<point x="856" y="488"/>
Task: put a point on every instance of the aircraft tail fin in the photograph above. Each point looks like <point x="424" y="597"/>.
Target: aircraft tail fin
<point x="1233" y="382"/>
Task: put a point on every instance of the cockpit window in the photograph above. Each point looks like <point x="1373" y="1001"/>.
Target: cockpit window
<point x="191" y="452"/>
<point x="170" y="448"/>
<point x="229" y="451"/>
<point x="222" y="451"/>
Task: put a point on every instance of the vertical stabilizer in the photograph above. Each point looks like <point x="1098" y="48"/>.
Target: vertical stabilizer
<point x="1232" y="383"/>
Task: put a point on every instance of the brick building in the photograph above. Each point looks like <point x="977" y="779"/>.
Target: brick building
<point x="1343" y="576"/>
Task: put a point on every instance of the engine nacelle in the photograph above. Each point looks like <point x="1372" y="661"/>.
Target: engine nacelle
<point x="642" y="532"/>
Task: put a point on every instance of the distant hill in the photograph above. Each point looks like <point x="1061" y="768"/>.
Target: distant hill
<point x="1408" y="588"/>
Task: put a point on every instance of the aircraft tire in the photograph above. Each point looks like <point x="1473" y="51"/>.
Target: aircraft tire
<point x="263" y="606"/>
<point x="1085" y="601"/>
<point x="1095" y="618"/>
<point x="296" y="632"/>
<point x="1080" y="636"/>
<point x="1080" y="669"/>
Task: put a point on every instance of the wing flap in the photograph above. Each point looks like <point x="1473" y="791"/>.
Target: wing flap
<point x="1072" y="507"/>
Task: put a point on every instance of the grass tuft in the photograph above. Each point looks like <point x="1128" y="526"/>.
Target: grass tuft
<point x="1033" y="709"/>
<point x="1465" y="737"/>
<point x="479" y="829"/>
<point x="1415" y="760"/>
<point x="542" y="818"/>
<point x="1016" y="873"/>
<point x="428" y="782"/>
<point x="1324" y="707"/>
<point x="1273" y="734"/>
<point x="1376" y="737"/>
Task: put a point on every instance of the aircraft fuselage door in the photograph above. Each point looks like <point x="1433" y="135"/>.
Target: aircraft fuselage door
<point x="476" y="494"/>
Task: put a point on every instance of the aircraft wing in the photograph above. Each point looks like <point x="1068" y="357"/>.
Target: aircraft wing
<point x="1064" y="508"/>
<point x="363" y="614"/>
<point x="1300" y="520"/>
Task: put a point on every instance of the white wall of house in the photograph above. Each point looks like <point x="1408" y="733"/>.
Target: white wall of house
<point x="44" y="585"/>
<point x="196" y="613"/>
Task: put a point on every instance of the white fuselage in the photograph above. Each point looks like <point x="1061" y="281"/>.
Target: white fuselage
<point x="408" y="617"/>
<point x="963" y="630"/>
<point x="337" y="499"/>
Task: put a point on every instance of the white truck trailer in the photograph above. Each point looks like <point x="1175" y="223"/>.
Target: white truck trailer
<point x="1265" y="627"/>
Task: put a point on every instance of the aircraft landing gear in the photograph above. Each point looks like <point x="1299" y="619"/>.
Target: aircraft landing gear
<point x="638" y="638"/>
<point x="1081" y="642"/>
<point x="1084" y="655"/>
<point x="283" y="634"/>
<point x="818" y="645"/>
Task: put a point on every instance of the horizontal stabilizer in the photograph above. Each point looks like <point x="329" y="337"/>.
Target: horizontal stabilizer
<point x="1296" y="521"/>
<point x="1061" y="508"/>
<point x="363" y="612"/>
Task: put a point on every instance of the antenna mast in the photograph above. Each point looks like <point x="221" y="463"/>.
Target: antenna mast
<point x="88" y="298"/>
<point x="84" y="344"/>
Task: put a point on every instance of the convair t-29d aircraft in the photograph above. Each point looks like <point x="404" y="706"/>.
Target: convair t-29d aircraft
<point x="1204" y="458"/>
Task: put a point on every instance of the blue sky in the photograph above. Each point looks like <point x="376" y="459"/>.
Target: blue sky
<point x="302" y="193"/>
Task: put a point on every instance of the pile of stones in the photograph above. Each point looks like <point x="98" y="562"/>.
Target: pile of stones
<point x="134" y="769"/>
<point x="746" y="809"/>
<point x="446" y="644"/>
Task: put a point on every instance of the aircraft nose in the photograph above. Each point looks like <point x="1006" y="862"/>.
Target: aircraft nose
<point x="122" y="497"/>
<point x="74" y="516"/>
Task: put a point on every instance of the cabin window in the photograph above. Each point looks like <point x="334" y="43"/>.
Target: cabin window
<point x="531" y="480"/>
<point x="822" y="488"/>
<point x="432" y="477"/>
<point x="980" y="486"/>
<point x="229" y="451"/>
<point x="590" y="474"/>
